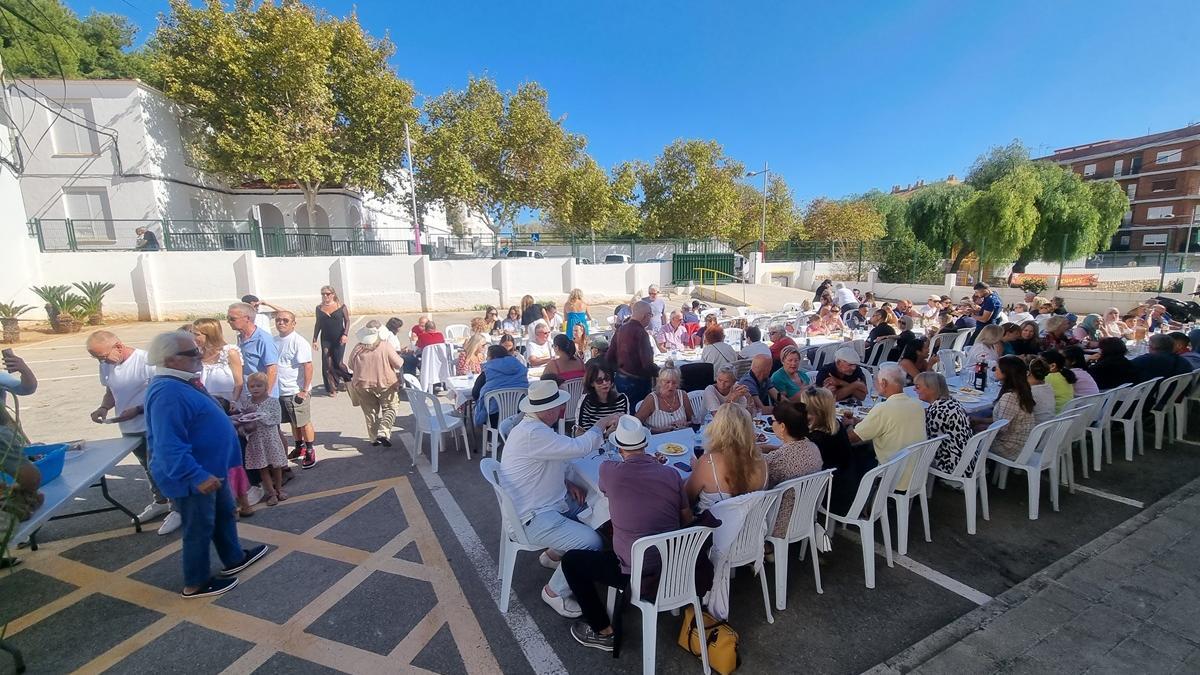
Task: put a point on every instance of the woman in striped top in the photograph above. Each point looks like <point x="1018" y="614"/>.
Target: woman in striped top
<point x="600" y="397"/>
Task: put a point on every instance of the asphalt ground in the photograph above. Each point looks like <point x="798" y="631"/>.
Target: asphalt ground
<point x="847" y="629"/>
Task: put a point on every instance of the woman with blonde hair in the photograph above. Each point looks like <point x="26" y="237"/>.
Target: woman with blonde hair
<point x="471" y="358"/>
<point x="576" y="309"/>
<point x="331" y="332"/>
<point x="989" y="346"/>
<point x="222" y="374"/>
<point x="374" y="384"/>
<point x="583" y="344"/>
<point x="732" y="464"/>
<point x="666" y="408"/>
<point x="827" y="432"/>
<point x="1111" y="324"/>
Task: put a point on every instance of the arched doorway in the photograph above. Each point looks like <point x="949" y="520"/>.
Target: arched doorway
<point x="321" y="219"/>
<point x="269" y="216"/>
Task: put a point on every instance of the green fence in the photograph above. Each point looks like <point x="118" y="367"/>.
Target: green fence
<point x="703" y="268"/>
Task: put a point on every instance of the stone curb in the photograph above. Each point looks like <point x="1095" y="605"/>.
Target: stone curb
<point x="954" y="632"/>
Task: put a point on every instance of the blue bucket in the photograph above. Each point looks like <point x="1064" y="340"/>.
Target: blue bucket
<point x="51" y="463"/>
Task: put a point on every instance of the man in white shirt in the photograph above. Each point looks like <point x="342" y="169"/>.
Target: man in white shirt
<point x="294" y="373"/>
<point x="262" y="317"/>
<point x="537" y="350"/>
<point x="673" y="334"/>
<point x="930" y="310"/>
<point x="533" y="473"/>
<point x="754" y="344"/>
<point x="843" y="296"/>
<point x="553" y="317"/>
<point x="125" y="374"/>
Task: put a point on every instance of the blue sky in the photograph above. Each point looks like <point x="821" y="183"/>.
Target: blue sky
<point x="838" y="99"/>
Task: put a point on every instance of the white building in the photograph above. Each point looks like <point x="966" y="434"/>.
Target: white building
<point x="109" y="156"/>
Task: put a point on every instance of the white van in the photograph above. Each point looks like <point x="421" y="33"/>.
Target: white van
<point x="524" y="253"/>
<point x="616" y="259"/>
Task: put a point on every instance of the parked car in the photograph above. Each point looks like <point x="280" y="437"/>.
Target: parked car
<point x="616" y="259"/>
<point x="524" y="253"/>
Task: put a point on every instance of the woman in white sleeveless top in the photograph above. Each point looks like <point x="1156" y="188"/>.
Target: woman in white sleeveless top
<point x="667" y="408"/>
<point x="222" y="375"/>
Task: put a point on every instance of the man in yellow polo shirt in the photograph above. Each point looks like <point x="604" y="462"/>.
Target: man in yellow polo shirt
<point x="895" y="423"/>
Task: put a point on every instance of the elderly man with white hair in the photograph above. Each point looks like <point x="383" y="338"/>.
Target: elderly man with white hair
<point x="194" y="446"/>
<point x="673" y="335"/>
<point x="844" y="297"/>
<point x="895" y="423"/>
<point x="843" y="377"/>
<point x="658" y="308"/>
<point x="533" y="472"/>
<point x="259" y="353"/>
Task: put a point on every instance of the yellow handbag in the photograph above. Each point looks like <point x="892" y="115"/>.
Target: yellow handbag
<point x="721" y="637"/>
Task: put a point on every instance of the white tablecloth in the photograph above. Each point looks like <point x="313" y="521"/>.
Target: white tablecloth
<point x="461" y="385"/>
<point x="974" y="401"/>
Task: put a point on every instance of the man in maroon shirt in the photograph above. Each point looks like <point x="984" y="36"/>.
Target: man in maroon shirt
<point x="631" y="354"/>
<point x="644" y="498"/>
<point x="429" y="335"/>
<point x="779" y="340"/>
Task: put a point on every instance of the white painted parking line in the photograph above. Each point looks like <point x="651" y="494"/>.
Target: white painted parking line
<point x="66" y="377"/>
<point x="1108" y="495"/>
<point x="85" y="357"/>
<point x="926" y="572"/>
<point x="538" y="652"/>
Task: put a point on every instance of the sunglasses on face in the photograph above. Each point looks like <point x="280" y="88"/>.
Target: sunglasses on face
<point x="601" y="380"/>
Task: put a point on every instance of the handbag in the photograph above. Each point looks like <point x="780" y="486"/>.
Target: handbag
<point x="722" y="641"/>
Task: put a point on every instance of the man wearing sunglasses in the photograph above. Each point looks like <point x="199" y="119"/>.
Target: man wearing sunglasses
<point x="125" y="373"/>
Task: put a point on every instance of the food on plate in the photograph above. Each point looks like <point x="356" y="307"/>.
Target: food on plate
<point x="760" y="437"/>
<point x="672" y="449"/>
<point x="967" y="390"/>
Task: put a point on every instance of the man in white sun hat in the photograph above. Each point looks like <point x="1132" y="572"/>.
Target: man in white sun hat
<point x="533" y="471"/>
<point x="645" y="498"/>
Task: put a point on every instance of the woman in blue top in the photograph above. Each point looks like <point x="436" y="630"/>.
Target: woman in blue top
<point x="501" y="371"/>
<point x="789" y="379"/>
<point x="577" y="312"/>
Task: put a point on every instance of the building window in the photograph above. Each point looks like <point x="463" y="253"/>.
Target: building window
<point x="1165" y="185"/>
<point x="1154" y="240"/>
<point x="1131" y="190"/>
<point x="1159" y="212"/>
<point x="90" y="214"/>
<point x="1123" y="240"/>
<point x="1168" y="156"/>
<point x="70" y="129"/>
<point x="1089" y="170"/>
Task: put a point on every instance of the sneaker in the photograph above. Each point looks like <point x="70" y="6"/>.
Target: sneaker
<point x="252" y="556"/>
<point x="385" y="441"/>
<point x="310" y="459"/>
<point x="173" y="522"/>
<point x="255" y="494"/>
<point x="548" y="562"/>
<point x="584" y="635"/>
<point x="152" y="511"/>
<point x="213" y="587"/>
<point x="565" y="606"/>
<point x="296" y="452"/>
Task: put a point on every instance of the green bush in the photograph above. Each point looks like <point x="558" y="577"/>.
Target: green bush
<point x="1034" y="285"/>
<point x="908" y="261"/>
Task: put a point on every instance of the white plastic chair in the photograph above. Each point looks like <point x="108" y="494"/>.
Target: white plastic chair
<point x="574" y="387"/>
<point x="747" y="547"/>
<point x="436" y="366"/>
<point x="1128" y="414"/>
<point x="678" y="551"/>
<point x="919" y="458"/>
<point x="1100" y="429"/>
<point x="734" y="337"/>
<point x="943" y="341"/>
<point x="432" y="420"/>
<point x="411" y="381"/>
<point x="696" y="398"/>
<point x="824" y="354"/>
<point x="1193" y="396"/>
<point x="456" y="331"/>
<point x="742" y="366"/>
<point x="792" y="307"/>
<point x="506" y="401"/>
<point x="1167" y="407"/>
<point x="960" y="341"/>
<point x="969" y="472"/>
<point x="807" y="494"/>
<point x="1089" y="408"/>
<point x="950" y="362"/>
<point x="869" y="507"/>
<point x="1040" y="453"/>
<point x="512" y="533"/>
<point x="881" y="349"/>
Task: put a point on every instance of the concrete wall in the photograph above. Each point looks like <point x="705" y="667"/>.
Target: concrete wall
<point x="1077" y="301"/>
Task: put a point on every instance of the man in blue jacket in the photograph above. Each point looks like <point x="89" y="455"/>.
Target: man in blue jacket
<point x="199" y="445"/>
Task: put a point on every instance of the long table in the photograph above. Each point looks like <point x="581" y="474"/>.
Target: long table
<point x="82" y="469"/>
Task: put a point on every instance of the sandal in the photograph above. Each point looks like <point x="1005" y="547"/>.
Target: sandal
<point x="272" y="500"/>
<point x="245" y="514"/>
<point x="282" y="495"/>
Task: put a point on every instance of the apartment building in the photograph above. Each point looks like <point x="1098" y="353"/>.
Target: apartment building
<point x="1160" y="173"/>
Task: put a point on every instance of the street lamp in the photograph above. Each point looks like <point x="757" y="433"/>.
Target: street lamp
<point x="766" y="174"/>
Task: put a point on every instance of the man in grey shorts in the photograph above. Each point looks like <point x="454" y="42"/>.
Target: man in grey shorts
<point x="295" y="371"/>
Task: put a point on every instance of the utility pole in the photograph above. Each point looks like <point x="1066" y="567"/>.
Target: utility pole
<point x="412" y="177"/>
<point x="766" y="174"/>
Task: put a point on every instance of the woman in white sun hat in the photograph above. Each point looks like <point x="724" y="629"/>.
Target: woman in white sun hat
<point x="533" y="472"/>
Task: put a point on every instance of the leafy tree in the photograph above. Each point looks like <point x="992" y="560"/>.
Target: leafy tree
<point x="586" y="202"/>
<point x="691" y="191"/>
<point x="894" y="210"/>
<point x="908" y="260"/>
<point x="935" y="214"/>
<point x="784" y="219"/>
<point x="1070" y="223"/>
<point x="852" y="220"/>
<point x="1000" y="221"/>
<point x="44" y="38"/>
<point x="1000" y="161"/>
<point x="501" y="153"/>
<point x="285" y="94"/>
